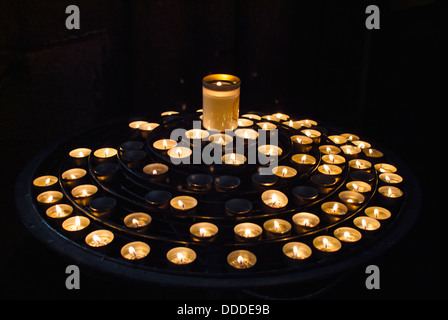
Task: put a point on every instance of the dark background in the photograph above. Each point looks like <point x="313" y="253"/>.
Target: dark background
<point x="305" y="58"/>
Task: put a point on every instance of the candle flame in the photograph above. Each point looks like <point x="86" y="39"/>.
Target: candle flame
<point x="202" y="232"/>
<point x="181" y="204"/>
<point x="327" y="169"/>
<point x="346" y="235"/>
<point x="284" y="172"/>
<point x="331" y="157"/>
<point x="370" y="151"/>
<point x="325" y="242"/>
<point x="335" y="207"/>
<point x="358" y="164"/>
<point x="84" y="193"/>
<point x="303" y="158"/>
<point x="376" y="212"/>
<point x="276" y="225"/>
<point x="50" y="198"/>
<point x="265" y="126"/>
<point x="135" y="223"/>
<point x="220" y="140"/>
<point x="389" y="192"/>
<point x="132" y="251"/>
<point x="233" y="158"/>
<point x="307" y="133"/>
<point x="81" y="154"/>
<point x="96" y="239"/>
<point x="77" y="222"/>
<point x="387" y="178"/>
<point x="72" y="176"/>
<point x="240" y="260"/>
<point x="106" y="152"/>
<point x="180" y="257"/>
<point x="179" y="152"/>
<point x="247" y="233"/>
<point x="154" y="172"/>
<point x="306" y="222"/>
<point x="355" y="186"/>
<point x="58" y="210"/>
<point x="47" y="181"/>
<point x="364" y="224"/>
<point x="295" y="251"/>
<point x="328" y="150"/>
<point x="219" y="83"/>
<point x="299" y="140"/>
<point x="164" y="144"/>
<point x="274" y="199"/>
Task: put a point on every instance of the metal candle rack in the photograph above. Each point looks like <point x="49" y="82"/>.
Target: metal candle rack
<point x="226" y="195"/>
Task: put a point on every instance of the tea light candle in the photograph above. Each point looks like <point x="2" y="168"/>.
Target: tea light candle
<point x="233" y="159"/>
<point x="277" y="227"/>
<point x="350" y="136"/>
<point x="251" y="116"/>
<point x="358" y="186"/>
<point x="135" y="250"/>
<point x="385" y="167"/>
<point x="246" y="134"/>
<point x="155" y="170"/>
<point x="303" y="162"/>
<point x="391" y="178"/>
<point x="169" y="113"/>
<point x="307" y="123"/>
<point x="279" y="116"/>
<point x="327" y="244"/>
<point x="181" y="256"/>
<point x="59" y="211"/>
<point x="284" y="172"/>
<point x="347" y="234"/>
<point x="244" y="123"/>
<point x="274" y="199"/>
<point x="366" y="223"/>
<point x="136" y="124"/>
<point x="302" y="144"/>
<point x="137" y="221"/>
<point x="334" y="208"/>
<point x="105" y="153"/>
<point x="203" y="230"/>
<point x="164" y="144"/>
<point x="179" y="153"/>
<point x="72" y="177"/>
<point x="390" y="195"/>
<point x="83" y="194"/>
<point x="378" y="213"/>
<point x="79" y="156"/>
<point x="360" y="164"/>
<point x="333" y="159"/>
<point x="305" y="220"/>
<point x="373" y="153"/>
<point x="221" y="99"/>
<point x="329" y="149"/>
<point x="99" y="238"/>
<point x="351" y="198"/>
<point x="220" y="139"/>
<point x="270" y="150"/>
<point x="293" y="124"/>
<point x="297" y="250"/>
<point x="351" y="151"/>
<point x="50" y="197"/>
<point x="196" y="134"/>
<point x="44" y="182"/>
<point x="247" y="231"/>
<point x="313" y="134"/>
<point x="361" y="144"/>
<point x="330" y="169"/>
<point x="147" y="126"/>
<point x="338" y="139"/>
<point x="183" y="203"/>
<point x="266" y="126"/>
<point x="241" y="259"/>
<point x="76" y="223"/>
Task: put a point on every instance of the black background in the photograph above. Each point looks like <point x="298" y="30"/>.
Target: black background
<point x="309" y="58"/>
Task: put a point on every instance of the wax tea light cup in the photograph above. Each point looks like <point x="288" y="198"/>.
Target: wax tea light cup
<point x="234" y="159"/>
<point x="303" y="195"/>
<point x="102" y="207"/>
<point x="333" y="159"/>
<point x="227" y="183"/>
<point x="45" y="183"/>
<point x="76" y="227"/>
<point x="296" y="251"/>
<point x="200" y="182"/>
<point x="388" y="178"/>
<point x="303" y="162"/>
<point x="352" y="199"/>
<point x="251" y="116"/>
<point x="159" y="199"/>
<point x="179" y="154"/>
<point x="367" y="225"/>
<point x="305" y="221"/>
<point x="146" y="128"/>
<point x="164" y="144"/>
<point x="134" y="158"/>
<point x="334" y="208"/>
<point x="302" y="143"/>
<point x="347" y="234"/>
<point x="220" y="139"/>
<point x="284" y="172"/>
<point x="373" y="154"/>
<point x="156" y="171"/>
<point x="238" y="206"/>
<point x="247" y="231"/>
<point x="107" y="172"/>
<point x="274" y="200"/>
<point x="323" y="183"/>
<point x="183" y="204"/>
<point x="79" y="157"/>
<point x="390" y="196"/>
<point x="196" y="137"/>
<point x="73" y="177"/>
<point x="57" y="213"/>
<point x="327" y="244"/>
<point x="330" y="169"/>
<point x="329" y="149"/>
<point x="276" y="227"/>
<point x="243" y="123"/>
<point x="246" y="135"/>
<point x="385" y="167"/>
<point x="313" y="134"/>
<point x="378" y="213"/>
<point x="84" y="193"/>
<point x="105" y="154"/>
<point x="137" y="221"/>
<point x="135" y="125"/>
<point x="241" y="259"/>
<point x="135" y="251"/>
<point x="351" y="152"/>
<point x="47" y="199"/>
<point x="360" y="164"/>
<point x="100" y="240"/>
<point x="181" y="256"/>
<point x="338" y="139"/>
<point x="359" y="186"/>
<point x="203" y="231"/>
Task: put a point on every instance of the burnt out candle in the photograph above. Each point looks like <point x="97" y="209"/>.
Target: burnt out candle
<point x="227" y="183"/>
<point x="238" y="206"/>
<point x="324" y="183"/>
<point x="304" y="194"/>
<point x="102" y="206"/>
<point x="260" y="181"/>
<point x="134" y="158"/>
<point x="200" y="182"/>
<point x="106" y="172"/>
<point x="159" y="198"/>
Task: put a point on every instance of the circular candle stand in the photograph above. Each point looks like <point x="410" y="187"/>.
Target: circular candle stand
<point x="226" y="195"/>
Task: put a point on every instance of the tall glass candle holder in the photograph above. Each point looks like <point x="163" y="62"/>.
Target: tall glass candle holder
<point x="221" y="101"/>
